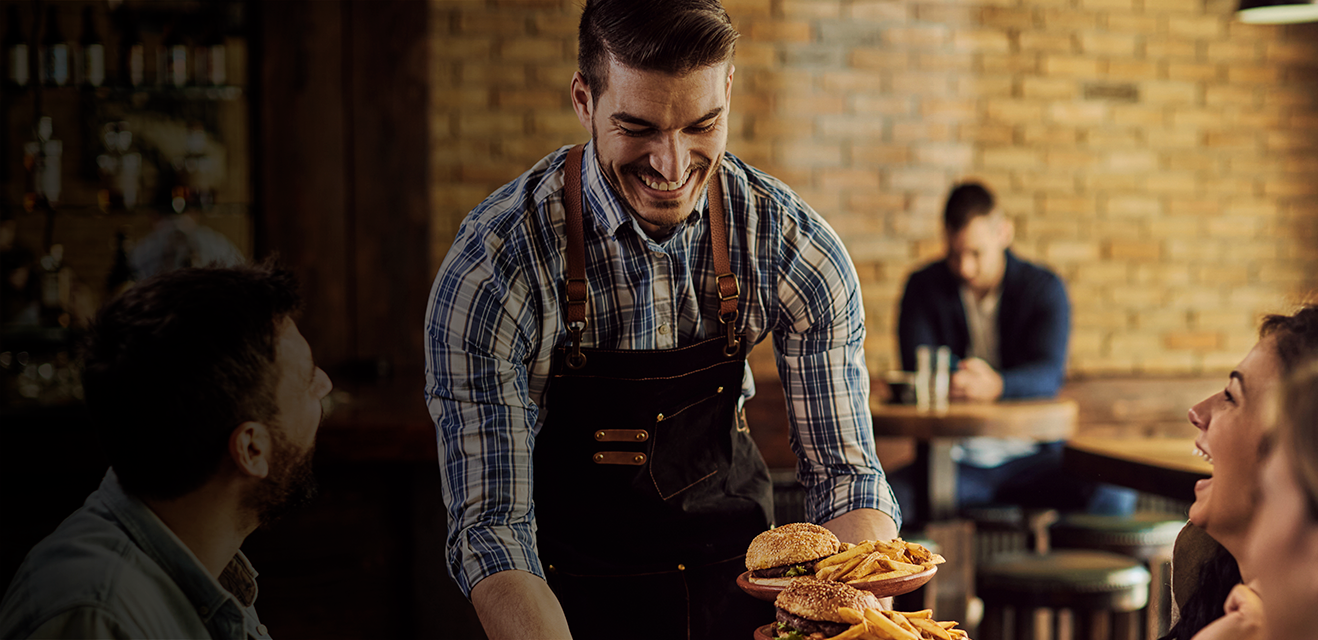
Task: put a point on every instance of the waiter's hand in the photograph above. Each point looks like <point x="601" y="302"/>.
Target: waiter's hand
<point x="975" y="381"/>
<point x="1243" y="619"/>
<point x="864" y="524"/>
<point x="517" y="604"/>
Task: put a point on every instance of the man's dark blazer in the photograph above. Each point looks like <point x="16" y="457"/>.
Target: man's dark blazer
<point x="1034" y="323"/>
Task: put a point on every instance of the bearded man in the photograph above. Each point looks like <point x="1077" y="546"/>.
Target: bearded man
<point x="207" y="401"/>
<point x="586" y="355"/>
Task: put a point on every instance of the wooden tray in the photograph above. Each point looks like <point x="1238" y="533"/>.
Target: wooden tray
<point x="765" y="632"/>
<point x="881" y="588"/>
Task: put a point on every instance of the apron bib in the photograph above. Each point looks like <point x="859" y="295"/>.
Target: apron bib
<point x="648" y="486"/>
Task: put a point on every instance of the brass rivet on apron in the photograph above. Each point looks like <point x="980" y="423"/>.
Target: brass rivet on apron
<point x="720" y="390"/>
<point x="681" y="567"/>
<point x="599" y="457"/>
<point x="599" y="435"/>
<point x="660" y="418"/>
<point x="640" y="436"/>
<point x="551" y="567"/>
<point x="640" y="457"/>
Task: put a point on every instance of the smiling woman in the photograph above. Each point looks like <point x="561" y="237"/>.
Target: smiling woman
<point x="1232" y="425"/>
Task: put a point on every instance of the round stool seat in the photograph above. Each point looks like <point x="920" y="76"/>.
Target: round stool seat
<point x="1065" y="579"/>
<point x="1142" y="535"/>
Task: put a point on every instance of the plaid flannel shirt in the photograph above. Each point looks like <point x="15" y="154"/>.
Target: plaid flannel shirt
<point x="496" y="313"/>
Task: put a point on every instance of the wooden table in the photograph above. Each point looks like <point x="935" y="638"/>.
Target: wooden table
<point x="1163" y="466"/>
<point x="936" y="432"/>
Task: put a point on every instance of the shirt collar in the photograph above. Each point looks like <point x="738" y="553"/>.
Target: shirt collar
<point x="237" y="582"/>
<point x="606" y="207"/>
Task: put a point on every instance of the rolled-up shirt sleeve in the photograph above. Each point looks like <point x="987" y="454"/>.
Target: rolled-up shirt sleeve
<point x="477" y="324"/>
<point x="819" y="340"/>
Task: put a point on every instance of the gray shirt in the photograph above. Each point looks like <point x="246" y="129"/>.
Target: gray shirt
<point x="113" y="569"/>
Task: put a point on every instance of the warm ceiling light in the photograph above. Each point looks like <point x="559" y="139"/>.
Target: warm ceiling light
<point x="1277" y="11"/>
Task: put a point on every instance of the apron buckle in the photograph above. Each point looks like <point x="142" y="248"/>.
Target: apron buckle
<point x="575" y="358"/>
<point x="729" y="323"/>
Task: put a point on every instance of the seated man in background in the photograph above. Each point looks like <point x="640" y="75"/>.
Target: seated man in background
<point x="207" y="402"/>
<point x="1006" y="322"/>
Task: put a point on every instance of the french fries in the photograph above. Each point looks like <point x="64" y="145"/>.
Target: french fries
<point x="876" y="560"/>
<point x="872" y="624"/>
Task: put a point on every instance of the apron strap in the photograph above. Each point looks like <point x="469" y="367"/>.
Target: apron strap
<point x="577" y="293"/>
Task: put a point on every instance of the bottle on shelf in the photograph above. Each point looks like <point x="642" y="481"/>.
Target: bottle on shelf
<point x="54" y="52"/>
<point x="195" y="173"/>
<point x="172" y="59"/>
<point x="132" y="55"/>
<point x="209" y="60"/>
<point x="91" y="59"/>
<point x="56" y="288"/>
<point x="16" y="50"/>
<point x="121" y="273"/>
<point x="41" y="158"/>
<point x="120" y="168"/>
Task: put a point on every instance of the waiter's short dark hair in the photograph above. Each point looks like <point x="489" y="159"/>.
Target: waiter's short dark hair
<point x="176" y="363"/>
<point x="966" y="202"/>
<point x="670" y="36"/>
<point x="1296" y="335"/>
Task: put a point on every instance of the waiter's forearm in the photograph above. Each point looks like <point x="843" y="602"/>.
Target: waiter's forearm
<point x="860" y="525"/>
<point x="517" y="604"/>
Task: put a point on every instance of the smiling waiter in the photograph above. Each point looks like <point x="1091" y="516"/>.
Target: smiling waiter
<point x="586" y="363"/>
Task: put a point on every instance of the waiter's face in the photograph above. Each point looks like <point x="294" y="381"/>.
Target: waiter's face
<point x="658" y="136"/>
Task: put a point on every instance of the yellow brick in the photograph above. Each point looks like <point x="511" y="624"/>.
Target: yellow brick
<point x="1133" y="205"/>
<point x="1128" y="69"/>
<point x="1192" y="71"/>
<point x="877" y="58"/>
<point x="1243" y="51"/>
<point x="1010" y="158"/>
<point x="1191" y="26"/>
<point x="938" y="61"/>
<point x="981" y="40"/>
<point x="811" y="9"/>
<point x="1070" y="66"/>
<point x="1070" y="251"/>
<point x="1217" y="95"/>
<point x="1107" y="44"/>
<point x="1171" y="49"/>
<point x="917" y="37"/>
<point x="1169" y="92"/>
<point x="1038" y="88"/>
<point x="779" y="31"/>
<point x="1139" y="115"/>
<point x="1253" y="74"/>
<point x="1131" y="161"/>
<point x="1131" y="250"/>
<point x="994" y="133"/>
<point x="1016" y="111"/>
<point x="805" y="153"/>
<point x="917" y="131"/>
<point x="881" y="10"/>
<point x="1141" y="23"/>
<point x="1047" y="134"/>
<point x="1077" y="113"/>
<point x="913" y="179"/>
<point x="882" y="105"/>
<point x="1010" y="62"/>
<point x="532" y="49"/>
<point x="1046" y="42"/>
<point x="1193" y="340"/>
<point x="849" y="179"/>
<point x="949" y="155"/>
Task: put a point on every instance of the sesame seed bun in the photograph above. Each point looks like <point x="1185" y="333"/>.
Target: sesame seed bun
<point x="791" y="544"/>
<point x="819" y="600"/>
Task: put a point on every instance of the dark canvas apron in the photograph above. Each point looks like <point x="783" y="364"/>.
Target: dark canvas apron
<point x="648" y="486"/>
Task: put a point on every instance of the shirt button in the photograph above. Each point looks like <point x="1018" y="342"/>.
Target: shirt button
<point x="203" y="610"/>
<point x="663" y="329"/>
<point x="260" y="628"/>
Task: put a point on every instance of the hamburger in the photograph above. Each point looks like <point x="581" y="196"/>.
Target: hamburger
<point x="792" y="550"/>
<point x="807" y="608"/>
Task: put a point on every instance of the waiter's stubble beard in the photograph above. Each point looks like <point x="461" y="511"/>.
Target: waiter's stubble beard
<point x="700" y="165"/>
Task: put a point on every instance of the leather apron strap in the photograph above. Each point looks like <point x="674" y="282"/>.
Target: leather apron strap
<point x="577" y="295"/>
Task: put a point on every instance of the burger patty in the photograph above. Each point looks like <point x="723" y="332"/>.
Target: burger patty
<point x="807" y="626"/>
<point x="781" y="570"/>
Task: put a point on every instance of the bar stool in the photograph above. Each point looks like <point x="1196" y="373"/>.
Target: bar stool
<point x="1103" y="591"/>
<point x="1147" y="536"/>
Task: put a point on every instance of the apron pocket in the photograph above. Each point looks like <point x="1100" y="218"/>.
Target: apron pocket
<point x="691" y="444"/>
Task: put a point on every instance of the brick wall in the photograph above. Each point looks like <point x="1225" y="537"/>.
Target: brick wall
<point x="1160" y="156"/>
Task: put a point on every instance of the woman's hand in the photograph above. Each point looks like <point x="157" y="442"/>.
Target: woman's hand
<point x="1243" y="619"/>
